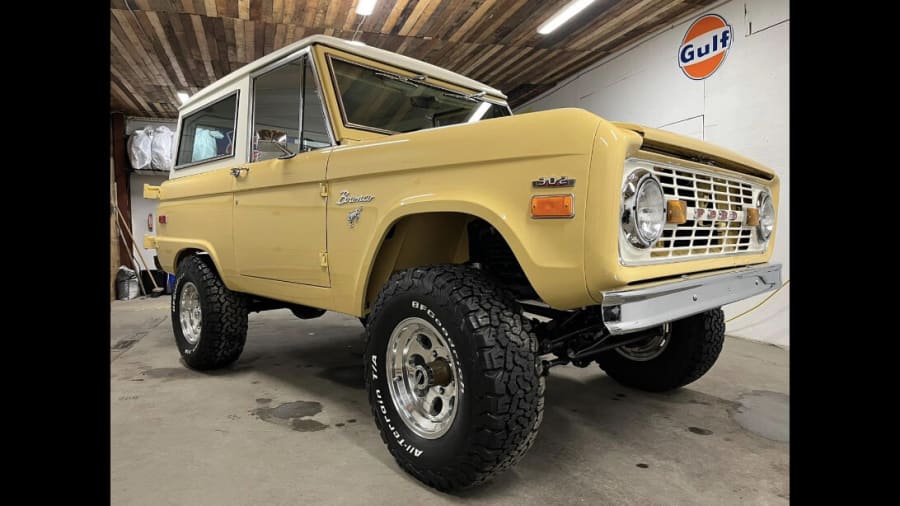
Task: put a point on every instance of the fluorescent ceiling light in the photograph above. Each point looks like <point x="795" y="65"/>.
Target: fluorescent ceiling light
<point x="479" y="112"/>
<point x="183" y="96"/>
<point x="356" y="42"/>
<point x="566" y="13"/>
<point x="365" y="7"/>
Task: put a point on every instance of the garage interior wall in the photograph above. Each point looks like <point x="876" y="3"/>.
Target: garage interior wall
<point x="743" y="106"/>
<point x="141" y="208"/>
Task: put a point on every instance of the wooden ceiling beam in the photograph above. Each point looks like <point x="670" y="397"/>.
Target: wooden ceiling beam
<point x="472" y="20"/>
<point x="243" y="9"/>
<point x="493" y="23"/>
<point x="119" y="50"/>
<point x="486" y="54"/>
<point x="392" y="18"/>
<point x="200" y="36"/>
<point x="125" y="23"/>
<point x="165" y="46"/>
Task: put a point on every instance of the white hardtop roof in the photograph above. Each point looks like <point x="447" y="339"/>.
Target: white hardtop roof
<point x="381" y="55"/>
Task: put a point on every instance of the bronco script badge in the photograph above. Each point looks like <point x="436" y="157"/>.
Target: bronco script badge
<point x="346" y="198"/>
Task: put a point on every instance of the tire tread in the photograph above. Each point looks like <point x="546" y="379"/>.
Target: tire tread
<point x="224" y="318"/>
<point x="509" y="410"/>
<point x="696" y="344"/>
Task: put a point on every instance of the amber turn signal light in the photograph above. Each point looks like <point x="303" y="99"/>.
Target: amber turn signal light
<point x="676" y="211"/>
<point x="752" y="216"/>
<point x="552" y="206"/>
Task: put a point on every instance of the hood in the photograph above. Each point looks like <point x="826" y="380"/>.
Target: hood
<point x="681" y="146"/>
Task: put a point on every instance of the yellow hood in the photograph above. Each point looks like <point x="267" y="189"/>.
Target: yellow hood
<point x="697" y="150"/>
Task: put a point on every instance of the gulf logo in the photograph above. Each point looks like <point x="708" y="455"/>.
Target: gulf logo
<point x="704" y="46"/>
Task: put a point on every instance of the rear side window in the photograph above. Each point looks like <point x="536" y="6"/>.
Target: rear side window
<point x="208" y="134"/>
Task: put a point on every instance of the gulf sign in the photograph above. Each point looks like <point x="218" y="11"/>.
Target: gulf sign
<point x="704" y="46"/>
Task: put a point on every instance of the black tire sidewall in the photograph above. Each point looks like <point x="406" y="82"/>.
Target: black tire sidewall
<point x="678" y="365"/>
<point x="425" y="453"/>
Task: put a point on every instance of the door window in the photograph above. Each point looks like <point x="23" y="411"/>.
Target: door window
<point x="279" y="98"/>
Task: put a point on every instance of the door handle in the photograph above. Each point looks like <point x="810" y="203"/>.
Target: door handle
<point x="236" y="171"/>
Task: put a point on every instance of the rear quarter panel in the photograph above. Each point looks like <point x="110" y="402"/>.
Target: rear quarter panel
<point x="198" y="211"/>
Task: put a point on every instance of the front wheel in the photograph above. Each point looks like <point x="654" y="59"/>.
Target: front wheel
<point x="451" y="372"/>
<point x="681" y="353"/>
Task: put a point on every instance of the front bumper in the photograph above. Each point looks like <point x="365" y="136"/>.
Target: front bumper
<point x="645" y="306"/>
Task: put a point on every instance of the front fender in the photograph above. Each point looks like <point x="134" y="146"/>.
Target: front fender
<point x="551" y="258"/>
<point x="484" y="170"/>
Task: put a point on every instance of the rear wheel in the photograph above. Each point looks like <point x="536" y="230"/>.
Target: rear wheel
<point x="451" y="371"/>
<point x="208" y="319"/>
<point x="681" y="353"/>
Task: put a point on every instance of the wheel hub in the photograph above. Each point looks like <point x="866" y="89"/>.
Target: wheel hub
<point x="422" y="379"/>
<point x="434" y="373"/>
<point x="189" y="313"/>
<point x="648" y="349"/>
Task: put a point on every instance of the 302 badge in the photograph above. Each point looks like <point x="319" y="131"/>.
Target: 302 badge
<point x="553" y="182"/>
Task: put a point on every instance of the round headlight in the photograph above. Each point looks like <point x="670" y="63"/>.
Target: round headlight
<point x="766" y="216"/>
<point x="644" y="209"/>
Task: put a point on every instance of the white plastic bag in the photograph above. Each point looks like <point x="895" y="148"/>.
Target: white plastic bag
<point x="139" y="146"/>
<point x="161" y="149"/>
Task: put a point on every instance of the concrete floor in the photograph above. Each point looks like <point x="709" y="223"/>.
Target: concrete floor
<point x="290" y="424"/>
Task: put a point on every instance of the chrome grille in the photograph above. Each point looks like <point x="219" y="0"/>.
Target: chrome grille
<point x="726" y="234"/>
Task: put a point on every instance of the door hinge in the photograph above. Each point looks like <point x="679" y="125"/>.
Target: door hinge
<point x="323" y="189"/>
<point x="323" y="258"/>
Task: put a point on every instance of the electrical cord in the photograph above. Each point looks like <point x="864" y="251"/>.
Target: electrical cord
<point x="760" y="304"/>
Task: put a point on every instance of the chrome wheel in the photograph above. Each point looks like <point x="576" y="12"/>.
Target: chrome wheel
<point x="422" y="378"/>
<point x="649" y="349"/>
<point x="189" y="313"/>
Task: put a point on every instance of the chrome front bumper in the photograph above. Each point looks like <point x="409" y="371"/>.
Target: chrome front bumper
<point x="647" y="306"/>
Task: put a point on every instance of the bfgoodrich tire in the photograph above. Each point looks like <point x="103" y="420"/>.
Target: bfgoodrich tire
<point x="208" y="319"/>
<point x="452" y="377"/>
<point x="685" y="354"/>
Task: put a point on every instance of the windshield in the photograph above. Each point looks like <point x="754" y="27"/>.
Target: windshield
<point x="390" y="103"/>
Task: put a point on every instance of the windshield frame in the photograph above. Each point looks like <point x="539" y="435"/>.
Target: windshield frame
<point x="428" y="81"/>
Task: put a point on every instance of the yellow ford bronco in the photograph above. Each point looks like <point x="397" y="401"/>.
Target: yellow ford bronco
<point x="479" y="248"/>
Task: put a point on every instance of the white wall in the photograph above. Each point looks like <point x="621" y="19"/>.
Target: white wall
<point x="743" y="107"/>
<point x="141" y="207"/>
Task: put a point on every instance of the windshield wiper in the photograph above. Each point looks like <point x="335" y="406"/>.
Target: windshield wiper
<point x="472" y="96"/>
<point x="404" y="80"/>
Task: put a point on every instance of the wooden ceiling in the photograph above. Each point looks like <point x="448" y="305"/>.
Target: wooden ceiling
<point x="161" y="47"/>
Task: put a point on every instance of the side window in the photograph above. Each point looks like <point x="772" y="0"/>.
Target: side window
<point x="276" y="112"/>
<point x="278" y="126"/>
<point x="315" y="129"/>
<point x="208" y="133"/>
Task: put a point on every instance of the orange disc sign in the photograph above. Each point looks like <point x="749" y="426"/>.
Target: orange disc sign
<point x="704" y="46"/>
